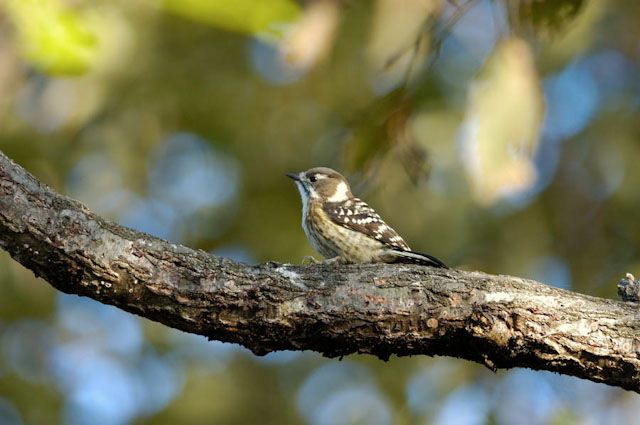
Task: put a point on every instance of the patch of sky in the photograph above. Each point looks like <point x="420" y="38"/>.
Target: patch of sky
<point x="9" y="414"/>
<point x="572" y="97"/>
<point x="467" y="44"/>
<point x="268" y="62"/>
<point x="188" y="173"/>
<point x="362" y="405"/>
<point x="424" y="388"/>
<point x="24" y="344"/>
<point x="103" y="367"/>
<point x="525" y="397"/>
<point x="214" y="355"/>
<point x="46" y="103"/>
<point x="235" y="253"/>
<point x="326" y="381"/>
<point x="102" y="326"/>
<point x="551" y="270"/>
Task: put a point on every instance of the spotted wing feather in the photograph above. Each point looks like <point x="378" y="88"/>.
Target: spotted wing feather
<point x="356" y="215"/>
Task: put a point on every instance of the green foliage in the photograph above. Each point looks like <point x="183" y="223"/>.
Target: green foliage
<point x="242" y="16"/>
<point x="56" y="39"/>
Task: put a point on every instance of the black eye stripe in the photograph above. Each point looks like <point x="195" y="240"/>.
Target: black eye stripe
<point x="317" y="176"/>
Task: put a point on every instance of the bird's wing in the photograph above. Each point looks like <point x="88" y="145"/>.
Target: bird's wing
<point x="418" y="258"/>
<point x="356" y="215"/>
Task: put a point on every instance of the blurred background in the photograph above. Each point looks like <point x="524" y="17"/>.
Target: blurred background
<point x="497" y="135"/>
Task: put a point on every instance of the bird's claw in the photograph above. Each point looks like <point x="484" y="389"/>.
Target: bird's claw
<point x="333" y="261"/>
<point x="309" y="260"/>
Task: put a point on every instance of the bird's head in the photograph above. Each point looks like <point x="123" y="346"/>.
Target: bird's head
<point x="322" y="183"/>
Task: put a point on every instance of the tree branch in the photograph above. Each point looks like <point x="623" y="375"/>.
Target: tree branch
<point x="498" y="321"/>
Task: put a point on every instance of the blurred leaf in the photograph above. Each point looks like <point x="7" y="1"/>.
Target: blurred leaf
<point x="413" y="156"/>
<point x="545" y="17"/>
<point x="369" y="139"/>
<point x="416" y="163"/>
<point x="56" y="39"/>
<point x="312" y="38"/>
<point x="382" y="127"/>
<point x="502" y="124"/>
<point x="398" y="40"/>
<point x="243" y="16"/>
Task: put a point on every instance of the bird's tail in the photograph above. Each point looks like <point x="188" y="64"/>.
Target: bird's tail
<point x="413" y="257"/>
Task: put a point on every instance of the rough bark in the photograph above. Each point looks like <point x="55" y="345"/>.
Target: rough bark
<point x="498" y="321"/>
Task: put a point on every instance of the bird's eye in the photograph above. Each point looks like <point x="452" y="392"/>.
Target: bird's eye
<point x="313" y="178"/>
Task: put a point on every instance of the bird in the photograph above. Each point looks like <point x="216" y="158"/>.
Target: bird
<point x="343" y="228"/>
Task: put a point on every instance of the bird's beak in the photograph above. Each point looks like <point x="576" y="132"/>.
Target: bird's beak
<point x="294" y="176"/>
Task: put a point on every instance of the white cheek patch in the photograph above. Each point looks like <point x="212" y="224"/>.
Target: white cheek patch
<point x="341" y="193"/>
<point x="312" y="193"/>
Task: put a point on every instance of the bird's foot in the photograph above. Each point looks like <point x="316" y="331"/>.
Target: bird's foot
<point x="309" y="260"/>
<point x="334" y="261"/>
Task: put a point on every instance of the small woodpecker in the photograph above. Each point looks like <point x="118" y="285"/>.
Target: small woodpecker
<point x="344" y="228"/>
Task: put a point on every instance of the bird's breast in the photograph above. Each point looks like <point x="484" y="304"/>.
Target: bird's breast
<point x="316" y="226"/>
